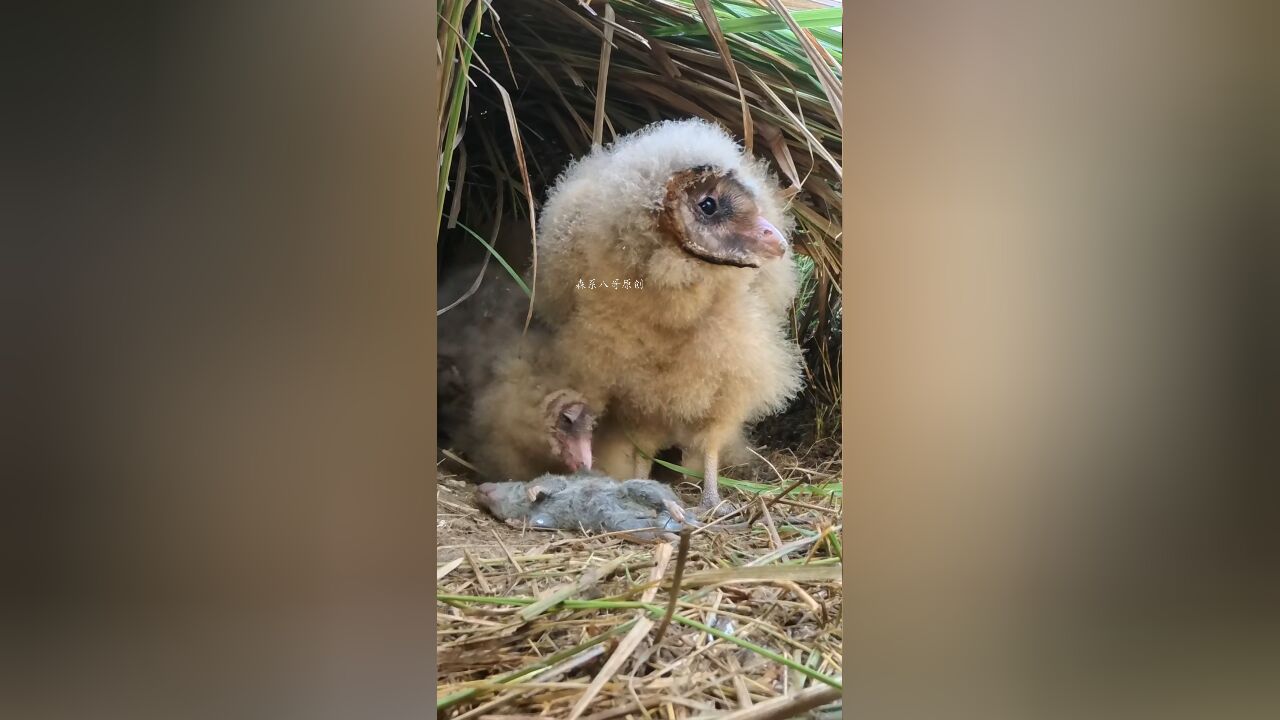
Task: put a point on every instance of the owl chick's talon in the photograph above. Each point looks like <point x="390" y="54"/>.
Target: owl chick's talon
<point x="713" y="508"/>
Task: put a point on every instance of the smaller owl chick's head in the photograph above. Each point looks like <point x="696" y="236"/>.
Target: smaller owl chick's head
<point x="570" y="423"/>
<point x="714" y="217"/>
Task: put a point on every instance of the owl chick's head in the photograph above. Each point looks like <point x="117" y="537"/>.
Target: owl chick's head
<point x="713" y="216"/>
<point x="570" y="422"/>
<point x="667" y="201"/>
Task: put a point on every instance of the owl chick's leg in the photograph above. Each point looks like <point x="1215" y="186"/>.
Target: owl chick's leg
<point x="627" y="462"/>
<point x="624" y="452"/>
<point x="614" y="455"/>
<point x="695" y="461"/>
<point x="710" y="480"/>
<point x="710" y="444"/>
<point x="643" y="464"/>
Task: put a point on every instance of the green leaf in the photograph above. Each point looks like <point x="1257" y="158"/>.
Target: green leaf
<point x="826" y="489"/>
<point x="826" y="18"/>
<point x="514" y="275"/>
<point x="456" y="99"/>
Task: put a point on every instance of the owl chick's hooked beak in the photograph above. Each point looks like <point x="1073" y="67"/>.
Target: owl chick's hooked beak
<point x="572" y="422"/>
<point x="712" y="216"/>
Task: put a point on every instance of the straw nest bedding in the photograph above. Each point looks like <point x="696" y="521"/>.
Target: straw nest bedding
<point x="562" y="625"/>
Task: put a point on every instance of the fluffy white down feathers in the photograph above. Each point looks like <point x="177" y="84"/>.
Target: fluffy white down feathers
<point x="614" y="192"/>
<point x="702" y="348"/>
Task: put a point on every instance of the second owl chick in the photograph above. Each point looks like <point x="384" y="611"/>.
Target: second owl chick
<point x="500" y="400"/>
<point x="526" y="421"/>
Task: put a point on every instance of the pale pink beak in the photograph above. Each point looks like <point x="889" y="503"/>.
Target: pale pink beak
<point x="772" y="241"/>
<point x="578" y="453"/>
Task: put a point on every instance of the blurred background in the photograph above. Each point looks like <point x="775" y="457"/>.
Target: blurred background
<point x="218" y="398"/>
<point x="1060" y="324"/>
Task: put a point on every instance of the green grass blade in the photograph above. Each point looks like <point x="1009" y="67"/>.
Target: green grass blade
<point x="826" y="18"/>
<point x="455" y="106"/>
<point x="652" y="609"/>
<point x="833" y="489"/>
<point x="514" y="275"/>
<point x="833" y="542"/>
<point x="757" y="649"/>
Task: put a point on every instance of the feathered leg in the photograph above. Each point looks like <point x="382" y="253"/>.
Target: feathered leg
<point x="613" y="452"/>
<point x="617" y="456"/>
<point x="630" y="462"/>
<point x="708" y="462"/>
<point x="643" y="464"/>
<point x="711" y="481"/>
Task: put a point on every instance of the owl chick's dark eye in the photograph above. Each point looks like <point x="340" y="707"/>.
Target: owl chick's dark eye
<point x="707" y="205"/>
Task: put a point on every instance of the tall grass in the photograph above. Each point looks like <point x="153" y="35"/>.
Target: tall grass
<point x="528" y="85"/>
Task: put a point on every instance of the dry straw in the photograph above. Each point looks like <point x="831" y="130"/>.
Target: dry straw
<point x="544" y="624"/>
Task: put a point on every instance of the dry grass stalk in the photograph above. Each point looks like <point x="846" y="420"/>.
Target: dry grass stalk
<point x="495" y="659"/>
<point x="784" y="707"/>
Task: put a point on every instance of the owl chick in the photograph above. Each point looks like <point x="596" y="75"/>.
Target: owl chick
<point x="693" y="345"/>
<point x="501" y="400"/>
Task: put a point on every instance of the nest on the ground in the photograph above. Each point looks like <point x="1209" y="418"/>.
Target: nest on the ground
<point x="548" y="624"/>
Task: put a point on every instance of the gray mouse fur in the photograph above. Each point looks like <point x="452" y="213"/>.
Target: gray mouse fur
<point x="645" y="509"/>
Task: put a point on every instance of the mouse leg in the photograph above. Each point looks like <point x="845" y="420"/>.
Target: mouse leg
<point x="656" y="496"/>
<point x="543" y="486"/>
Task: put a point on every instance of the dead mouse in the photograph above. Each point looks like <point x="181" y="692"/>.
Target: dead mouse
<point x="647" y="510"/>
